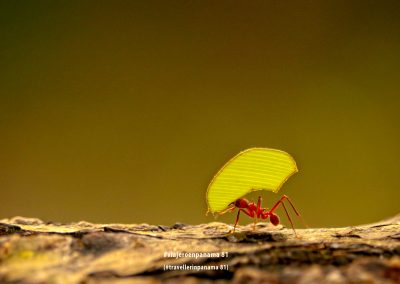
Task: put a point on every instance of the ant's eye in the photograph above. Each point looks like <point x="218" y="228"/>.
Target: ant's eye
<point x="274" y="219"/>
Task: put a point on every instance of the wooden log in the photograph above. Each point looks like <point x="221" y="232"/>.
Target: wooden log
<point x="33" y="251"/>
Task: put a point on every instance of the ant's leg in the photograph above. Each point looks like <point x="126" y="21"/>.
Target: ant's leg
<point x="290" y="219"/>
<point x="259" y="210"/>
<point x="291" y="204"/>
<point x="259" y="203"/>
<point x="255" y="222"/>
<point x="248" y="212"/>
<point x="297" y="212"/>
<point x="237" y="220"/>
<point x="284" y="197"/>
<point x="277" y="204"/>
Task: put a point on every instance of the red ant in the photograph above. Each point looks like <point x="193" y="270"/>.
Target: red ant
<point x="257" y="212"/>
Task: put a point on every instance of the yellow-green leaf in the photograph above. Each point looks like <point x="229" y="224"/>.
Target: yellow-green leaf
<point x="250" y="170"/>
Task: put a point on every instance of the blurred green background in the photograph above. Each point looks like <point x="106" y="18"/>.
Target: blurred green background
<point x="122" y="111"/>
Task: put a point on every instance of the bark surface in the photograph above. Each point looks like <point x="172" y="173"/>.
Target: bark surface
<point x="34" y="251"/>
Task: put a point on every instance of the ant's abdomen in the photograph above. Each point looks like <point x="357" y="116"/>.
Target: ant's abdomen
<point x="274" y="219"/>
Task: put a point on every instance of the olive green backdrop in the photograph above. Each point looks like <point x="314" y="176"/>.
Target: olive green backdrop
<point x="122" y="111"/>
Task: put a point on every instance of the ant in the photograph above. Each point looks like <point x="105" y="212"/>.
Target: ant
<point x="257" y="212"/>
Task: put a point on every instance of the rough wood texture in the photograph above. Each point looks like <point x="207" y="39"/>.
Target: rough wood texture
<point x="33" y="251"/>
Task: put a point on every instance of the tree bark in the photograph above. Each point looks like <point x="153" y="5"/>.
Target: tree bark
<point x="34" y="251"/>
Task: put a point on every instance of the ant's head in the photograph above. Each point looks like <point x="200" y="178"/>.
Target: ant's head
<point x="241" y="203"/>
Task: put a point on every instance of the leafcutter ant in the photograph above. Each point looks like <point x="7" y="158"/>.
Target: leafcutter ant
<point x="257" y="212"/>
